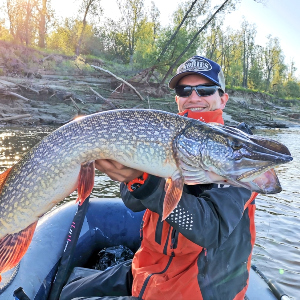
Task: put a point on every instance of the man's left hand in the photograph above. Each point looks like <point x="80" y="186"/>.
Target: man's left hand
<point x="117" y="171"/>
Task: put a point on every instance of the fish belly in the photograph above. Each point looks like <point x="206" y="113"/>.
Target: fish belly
<point x="37" y="196"/>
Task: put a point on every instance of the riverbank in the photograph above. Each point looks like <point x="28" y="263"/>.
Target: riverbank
<point x="51" y="99"/>
<point x="38" y="88"/>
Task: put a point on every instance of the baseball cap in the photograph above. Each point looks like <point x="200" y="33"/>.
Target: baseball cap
<point x="202" y="66"/>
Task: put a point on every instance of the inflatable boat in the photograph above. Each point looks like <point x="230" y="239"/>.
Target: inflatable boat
<point x="100" y="224"/>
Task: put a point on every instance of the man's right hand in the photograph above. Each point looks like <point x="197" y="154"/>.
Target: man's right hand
<point x="117" y="171"/>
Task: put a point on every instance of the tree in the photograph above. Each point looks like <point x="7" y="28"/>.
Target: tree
<point x="87" y="7"/>
<point x="4" y="32"/>
<point x="132" y="15"/>
<point x="154" y="19"/>
<point x="292" y="89"/>
<point x="22" y="18"/>
<point x="248" y="33"/>
<point x="291" y="71"/>
<point x="44" y="15"/>
<point x="115" y="41"/>
<point x="146" y="46"/>
<point x="176" y="62"/>
<point x="65" y="36"/>
<point x="272" y="57"/>
<point x="167" y="43"/>
<point x="256" y="72"/>
<point x="213" y="41"/>
<point x="148" y="33"/>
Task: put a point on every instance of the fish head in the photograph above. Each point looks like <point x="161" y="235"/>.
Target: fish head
<point x="229" y="152"/>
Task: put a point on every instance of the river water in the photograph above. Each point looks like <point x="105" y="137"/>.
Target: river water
<point x="277" y="248"/>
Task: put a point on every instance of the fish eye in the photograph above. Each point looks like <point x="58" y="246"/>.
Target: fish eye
<point x="237" y="146"/>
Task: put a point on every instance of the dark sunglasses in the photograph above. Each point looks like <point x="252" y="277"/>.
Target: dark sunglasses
<point x="201" y="90"/>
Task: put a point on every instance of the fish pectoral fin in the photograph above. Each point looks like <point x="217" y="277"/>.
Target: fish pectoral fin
<point x="14" y="246"/>
<point x="86" y="181"/>
<point x="173" y="194"/>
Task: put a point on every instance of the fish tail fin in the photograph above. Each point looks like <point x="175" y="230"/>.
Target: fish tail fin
<point x="173" y="194"/>
<point x="86" y="181"/>
<point x="14" y="246"/>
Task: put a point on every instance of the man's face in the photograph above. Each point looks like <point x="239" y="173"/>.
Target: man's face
<point x="197" y="103"/>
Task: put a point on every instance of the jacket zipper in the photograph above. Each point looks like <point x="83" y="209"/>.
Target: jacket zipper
<point x="172" y="246"/>
<point x="206" y="261"/>
<point x="167" y="241"/>
<point x="150" y="275"/>
<point x="210" y="293"/>
<point x="174" y="239"/>
<point x="141" y="230"/>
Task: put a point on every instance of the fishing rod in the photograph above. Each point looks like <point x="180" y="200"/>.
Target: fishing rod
<point x="277" y="291"/>
<point x="64" y="270"/>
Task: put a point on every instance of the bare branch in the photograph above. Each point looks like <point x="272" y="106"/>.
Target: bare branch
<point x="102" y="98"/>
<point x="191" y="42"/>
<point x="120" y="79"/>
<point x="74" y="103"/>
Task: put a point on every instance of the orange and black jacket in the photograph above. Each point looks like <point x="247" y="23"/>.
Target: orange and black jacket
<point x="201" y="251"/>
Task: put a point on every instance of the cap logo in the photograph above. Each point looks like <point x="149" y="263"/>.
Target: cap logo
<point x="197" y="64"/>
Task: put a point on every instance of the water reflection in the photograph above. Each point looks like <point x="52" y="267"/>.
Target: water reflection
<point x="277" y="220"/>
<point x="276" y="251"/>
<point x="14" y="142"/>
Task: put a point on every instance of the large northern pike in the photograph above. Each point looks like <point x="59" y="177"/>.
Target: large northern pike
<point x="164" y="144"/>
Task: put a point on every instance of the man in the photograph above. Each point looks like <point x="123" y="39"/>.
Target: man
<point x="203" y="249"/>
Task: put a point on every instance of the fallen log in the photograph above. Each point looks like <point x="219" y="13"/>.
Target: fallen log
<point x="29" y="88"/>
<point x="8" y="93"/>
<point x="15" y="117"/>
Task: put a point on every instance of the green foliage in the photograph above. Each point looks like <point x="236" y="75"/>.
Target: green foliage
<point x="65" y="37"/>
<point x="177" y="46"/>
<point x="292" y="89"/>
<point x="146" y="46"/>
<point x="71" y="66"/>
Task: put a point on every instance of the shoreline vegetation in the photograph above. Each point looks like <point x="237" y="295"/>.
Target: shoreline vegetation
<point x="53" y="89"/>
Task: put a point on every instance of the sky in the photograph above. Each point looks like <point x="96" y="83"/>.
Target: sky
<point x="280" y="18"/>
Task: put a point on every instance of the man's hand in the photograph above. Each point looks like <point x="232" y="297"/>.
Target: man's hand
<point x="117" y="171"/>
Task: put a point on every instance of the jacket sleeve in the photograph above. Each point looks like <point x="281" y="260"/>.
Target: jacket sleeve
<point x="206" y="220"/>
<point x="129" y="200"/>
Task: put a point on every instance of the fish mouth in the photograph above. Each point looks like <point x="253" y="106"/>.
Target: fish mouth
<point x="266" y="183"/>
<point x="250" y="175"/>
<point x="264" y="159"/>
<point x="256" y="154"/>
